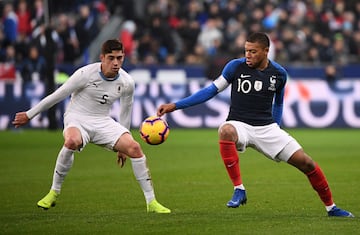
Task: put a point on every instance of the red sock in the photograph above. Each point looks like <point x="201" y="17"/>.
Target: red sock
<point x="320" y="184"/>
<point x="230" y="158"/>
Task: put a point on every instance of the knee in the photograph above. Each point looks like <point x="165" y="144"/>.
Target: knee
<point x="228" y="132"/>
<point x="302" y="161"/>
<point x="72" y="143"/>
<point x="134" y="150"/>
<point x="308" y="165"/>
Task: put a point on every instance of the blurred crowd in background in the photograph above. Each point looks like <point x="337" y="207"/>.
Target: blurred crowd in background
<point x="303" y="32"/>
<point x="191" y="32"/>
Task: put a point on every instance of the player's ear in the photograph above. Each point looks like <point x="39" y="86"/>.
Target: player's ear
<point x="101" y="57"/>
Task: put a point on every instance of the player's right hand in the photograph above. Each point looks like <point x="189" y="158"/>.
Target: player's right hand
<point x="165" y="108"/>
<point x="20" y="119"/>
<point x="121" y="159"/>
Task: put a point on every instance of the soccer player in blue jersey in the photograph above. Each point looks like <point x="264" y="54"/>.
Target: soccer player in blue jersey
<point x="257" y="93"/>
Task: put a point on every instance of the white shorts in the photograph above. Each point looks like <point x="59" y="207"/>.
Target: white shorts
<point x="102" y="131"/>
<point x="269" y="140"/>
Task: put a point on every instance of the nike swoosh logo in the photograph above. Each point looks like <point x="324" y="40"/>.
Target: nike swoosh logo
<point x="245" y="75"/>
<point x="230" y="165"/>
<point x="61" y="175"/>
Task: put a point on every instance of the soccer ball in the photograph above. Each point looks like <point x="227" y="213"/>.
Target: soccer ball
<point x="154" y="130"/>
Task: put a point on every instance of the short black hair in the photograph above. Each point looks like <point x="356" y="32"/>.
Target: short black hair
<point x="111" y="45"/>
<point x="260" y="38"/>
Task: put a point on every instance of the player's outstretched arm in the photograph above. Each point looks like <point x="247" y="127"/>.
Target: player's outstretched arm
<point x="199" y="97"/>
<point x="20" y="119"/>
<point x="166" y="108"/>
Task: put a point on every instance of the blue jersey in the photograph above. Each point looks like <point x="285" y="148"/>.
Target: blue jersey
<point x="253" y="92"/>
<point x="256" y="96"/>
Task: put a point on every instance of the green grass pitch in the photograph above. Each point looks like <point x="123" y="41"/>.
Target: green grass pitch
<point x="98" y="197"/>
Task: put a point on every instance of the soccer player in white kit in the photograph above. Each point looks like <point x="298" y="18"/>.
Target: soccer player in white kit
<point x="93" y="89"/>
<point x="257" y="92"/>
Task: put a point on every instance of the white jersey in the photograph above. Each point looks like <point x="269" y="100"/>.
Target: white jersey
<point x="92" y="94"/>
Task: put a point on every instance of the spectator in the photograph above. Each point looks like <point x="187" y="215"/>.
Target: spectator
<point x="188" y="30"/>
<point x="70" y="46"/>
<point x="193" y="10"/>
<point x="9" y="55"/>
<point x="47" y="43"/>
<point x="164" y="44"/>
<point x="33" y="67"/>
<point x="354" y="47"/>
<point x="127" y="38"/>
<point x="197" y="57"/>
<point x="24" y="16"/>
<point x="210" y="36"/>
<point x="145" y="48"/>
<point x="37" y="17"/>
<point x="86" y="27"/>
<point x="10" y="23"/>
<point x="22" y="47"/>
<point x="330" y="74"/>
<point x="340" y="49"/>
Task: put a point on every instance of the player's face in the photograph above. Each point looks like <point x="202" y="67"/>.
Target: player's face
<point x="111" y="63"/>
<point x="256" y="55"/>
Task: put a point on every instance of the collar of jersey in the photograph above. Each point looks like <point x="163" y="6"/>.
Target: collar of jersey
<point x="108" y="79"/>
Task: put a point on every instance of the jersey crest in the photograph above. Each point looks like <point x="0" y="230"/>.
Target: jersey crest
<point x="258" y="85"/>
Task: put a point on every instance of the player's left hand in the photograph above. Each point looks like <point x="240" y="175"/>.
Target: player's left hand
<point x="121" y="159"/>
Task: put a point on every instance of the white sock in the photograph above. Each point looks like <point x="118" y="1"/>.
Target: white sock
<point x="142" y="175"/>
<point x="64" y="163"/>
<point x="328" y="208"/>
<point x="241" y="186"/>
